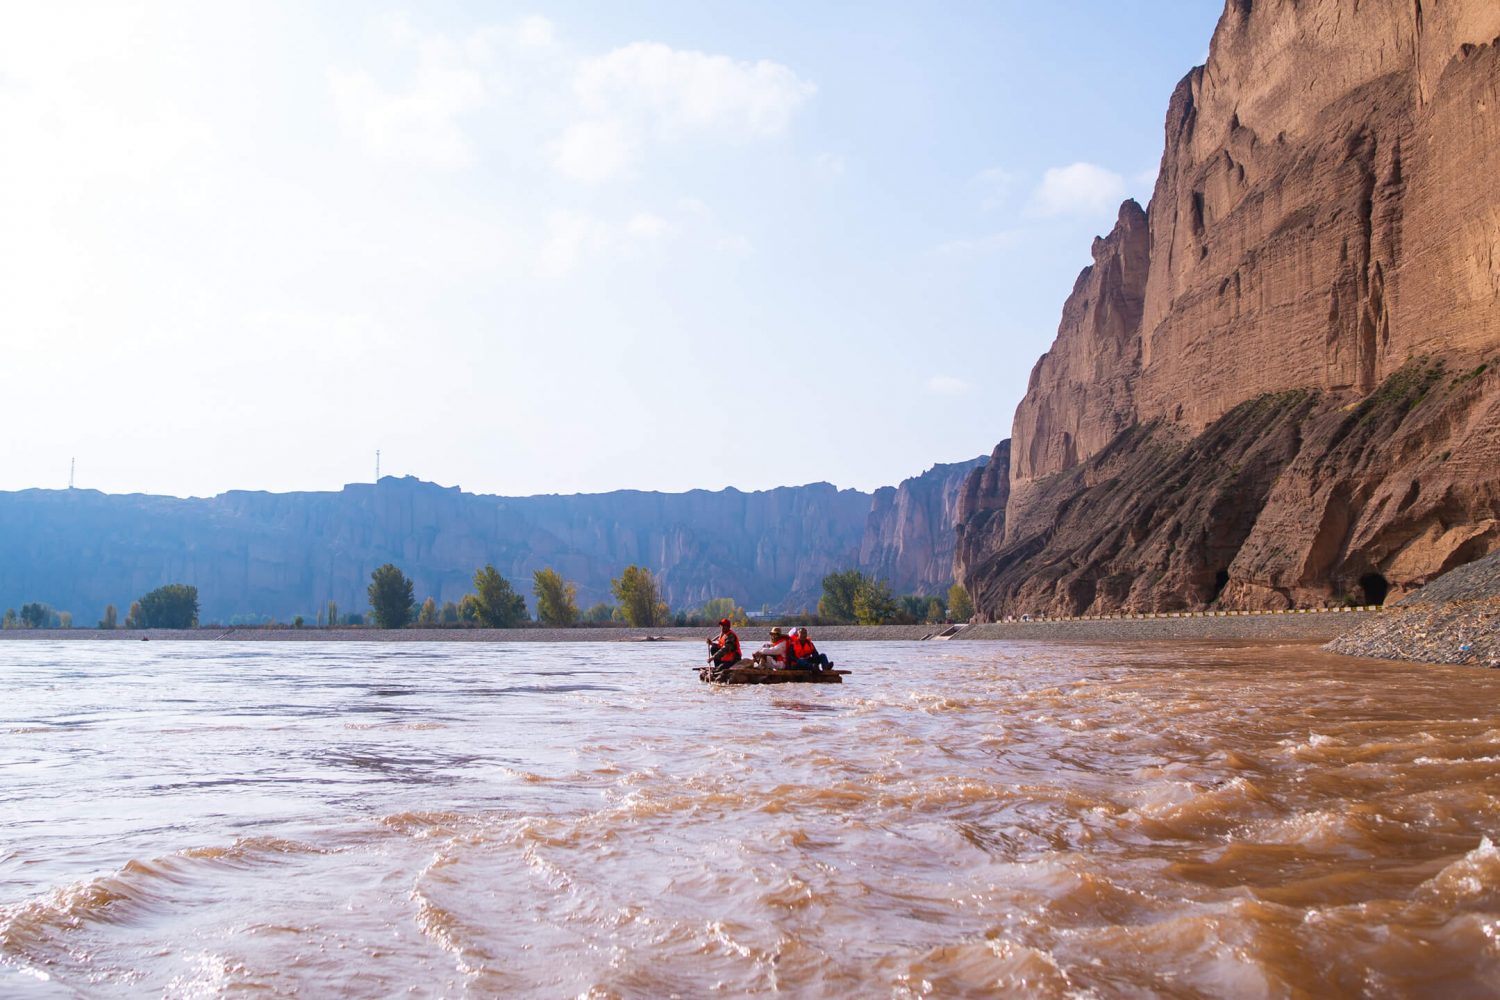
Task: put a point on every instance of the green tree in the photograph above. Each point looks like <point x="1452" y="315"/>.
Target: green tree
<point x="960" y="607"/>
<point x="429" y="614"/>
<point x="935" y="612"/>
<point x="449" y="613"/>
<point x="499" y="606"/>
<point x="333" y="613"/>
<point x="640" y="601"/>
<point x="468" y="608"/>
<point x="595" y="615"/>
<point x="10" y="620"/>
<point x="913" y="608"/>
<point x="839" y="588"/>
<point x="133" y="616"/>
<point x="556" y="599"/>
<point x="111" y="617"/>
<point x="35" y="615"/>
<point x="172" y="606"/>
<point x="391" y="597"/>
<point x="715" y="609"/>
<point x="873" y="603"/>
<point x="297" y="622"/>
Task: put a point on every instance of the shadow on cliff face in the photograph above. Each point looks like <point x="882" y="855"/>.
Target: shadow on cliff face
<point x="1291" y="498"/>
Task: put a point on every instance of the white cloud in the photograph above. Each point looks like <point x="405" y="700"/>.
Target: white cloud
<point x="1079" y="189"/>
<point x="571" y="236"/>
<point x="594" y="151"/>
<point x="590" y="117"/>
<point x="649" y="91"/>
<point x="947" y="385"/>
<point x="535" y="30"/>
<point x="574" y="238"/>
<point x="678" y="89"/>
<point x="647" y="226"/>
<point x="420" y="122"/>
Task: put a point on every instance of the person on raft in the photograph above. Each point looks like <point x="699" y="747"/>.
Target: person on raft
<point x="724" y="648"/>
<point x="805" y="655"/>
<point x="775" y="653"/>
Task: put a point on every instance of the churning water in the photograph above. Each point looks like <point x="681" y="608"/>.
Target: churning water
<point x="964" y="818"/>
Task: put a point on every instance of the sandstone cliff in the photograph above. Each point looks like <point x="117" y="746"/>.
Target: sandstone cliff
<point x="1324" y="234"/>
<point x="909" y="536"/>
<point x="979" y="518"/>
<point x="252" y="554"/>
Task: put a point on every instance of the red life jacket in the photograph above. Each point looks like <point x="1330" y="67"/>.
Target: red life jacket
<point x="728" y="640"/>
<point x="803" y="648"/>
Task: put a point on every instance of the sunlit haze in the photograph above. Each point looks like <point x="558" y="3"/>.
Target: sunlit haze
<point x="533" y="249"/>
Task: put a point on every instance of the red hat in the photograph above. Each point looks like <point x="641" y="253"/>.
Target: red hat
<point x="724" y="622"/>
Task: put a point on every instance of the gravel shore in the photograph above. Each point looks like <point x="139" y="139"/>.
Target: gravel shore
<point x="1454" y="619"/>
<point x="1305" y="627"/>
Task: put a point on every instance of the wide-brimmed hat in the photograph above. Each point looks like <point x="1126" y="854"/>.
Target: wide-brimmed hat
<point x="775" y="629"/>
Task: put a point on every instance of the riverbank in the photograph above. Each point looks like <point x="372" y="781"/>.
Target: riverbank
<point x="1311" y="626"/>
<point x="1454" y="619"/>
<point x="1319" y="627"/>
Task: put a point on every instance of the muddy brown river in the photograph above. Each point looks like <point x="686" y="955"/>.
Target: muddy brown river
<point x="960" y="819"/>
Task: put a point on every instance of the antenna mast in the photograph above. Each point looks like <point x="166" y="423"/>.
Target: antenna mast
<point x="377" y="465"/>
<point x="72" y="466"/>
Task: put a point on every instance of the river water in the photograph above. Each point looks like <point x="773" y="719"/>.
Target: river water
<point x="959" y="819"/>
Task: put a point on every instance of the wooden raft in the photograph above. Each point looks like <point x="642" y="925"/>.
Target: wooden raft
<point x="744" y="673"/>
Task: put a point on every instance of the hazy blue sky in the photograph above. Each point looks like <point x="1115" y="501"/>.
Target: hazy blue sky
<point x="535" y="248"/>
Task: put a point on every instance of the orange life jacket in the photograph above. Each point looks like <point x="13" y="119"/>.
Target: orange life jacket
<point x="728" y="640"/>
<point x="803" y="648"/>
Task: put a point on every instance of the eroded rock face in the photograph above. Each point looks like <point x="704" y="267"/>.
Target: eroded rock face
<point x="909" y="534"/>
<point x="979" y="519"/>
<point x="1082" y="392"/>
<point x="1325" y="222"/>
<point x="1290" y="499"/>
<point x="1316" y="220"/>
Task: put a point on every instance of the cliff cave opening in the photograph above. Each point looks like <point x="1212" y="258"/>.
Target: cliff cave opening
<point x="1221" y="580"/>
<point x="1375" y="588"/>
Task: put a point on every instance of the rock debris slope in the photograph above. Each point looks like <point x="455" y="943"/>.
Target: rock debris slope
<point x="1454" y="619"/>
<point x="1277" y="385"/>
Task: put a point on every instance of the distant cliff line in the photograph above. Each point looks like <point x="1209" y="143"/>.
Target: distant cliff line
<point x="1277" y="385"/>
<point x="253" y="554"/>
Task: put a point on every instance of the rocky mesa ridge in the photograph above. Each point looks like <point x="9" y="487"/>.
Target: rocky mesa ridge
<point x="1276" y="385"/>
<point x="253" y="553"/>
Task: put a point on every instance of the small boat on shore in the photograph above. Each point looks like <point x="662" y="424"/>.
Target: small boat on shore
<point x="745" y="673"/>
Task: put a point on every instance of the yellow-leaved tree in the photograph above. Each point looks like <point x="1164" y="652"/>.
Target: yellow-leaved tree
<point x="640" y="601"/>
<point x="556" y="598"/>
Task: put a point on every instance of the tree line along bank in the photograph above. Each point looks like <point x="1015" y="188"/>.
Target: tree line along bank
<point x="849" y="597"/>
